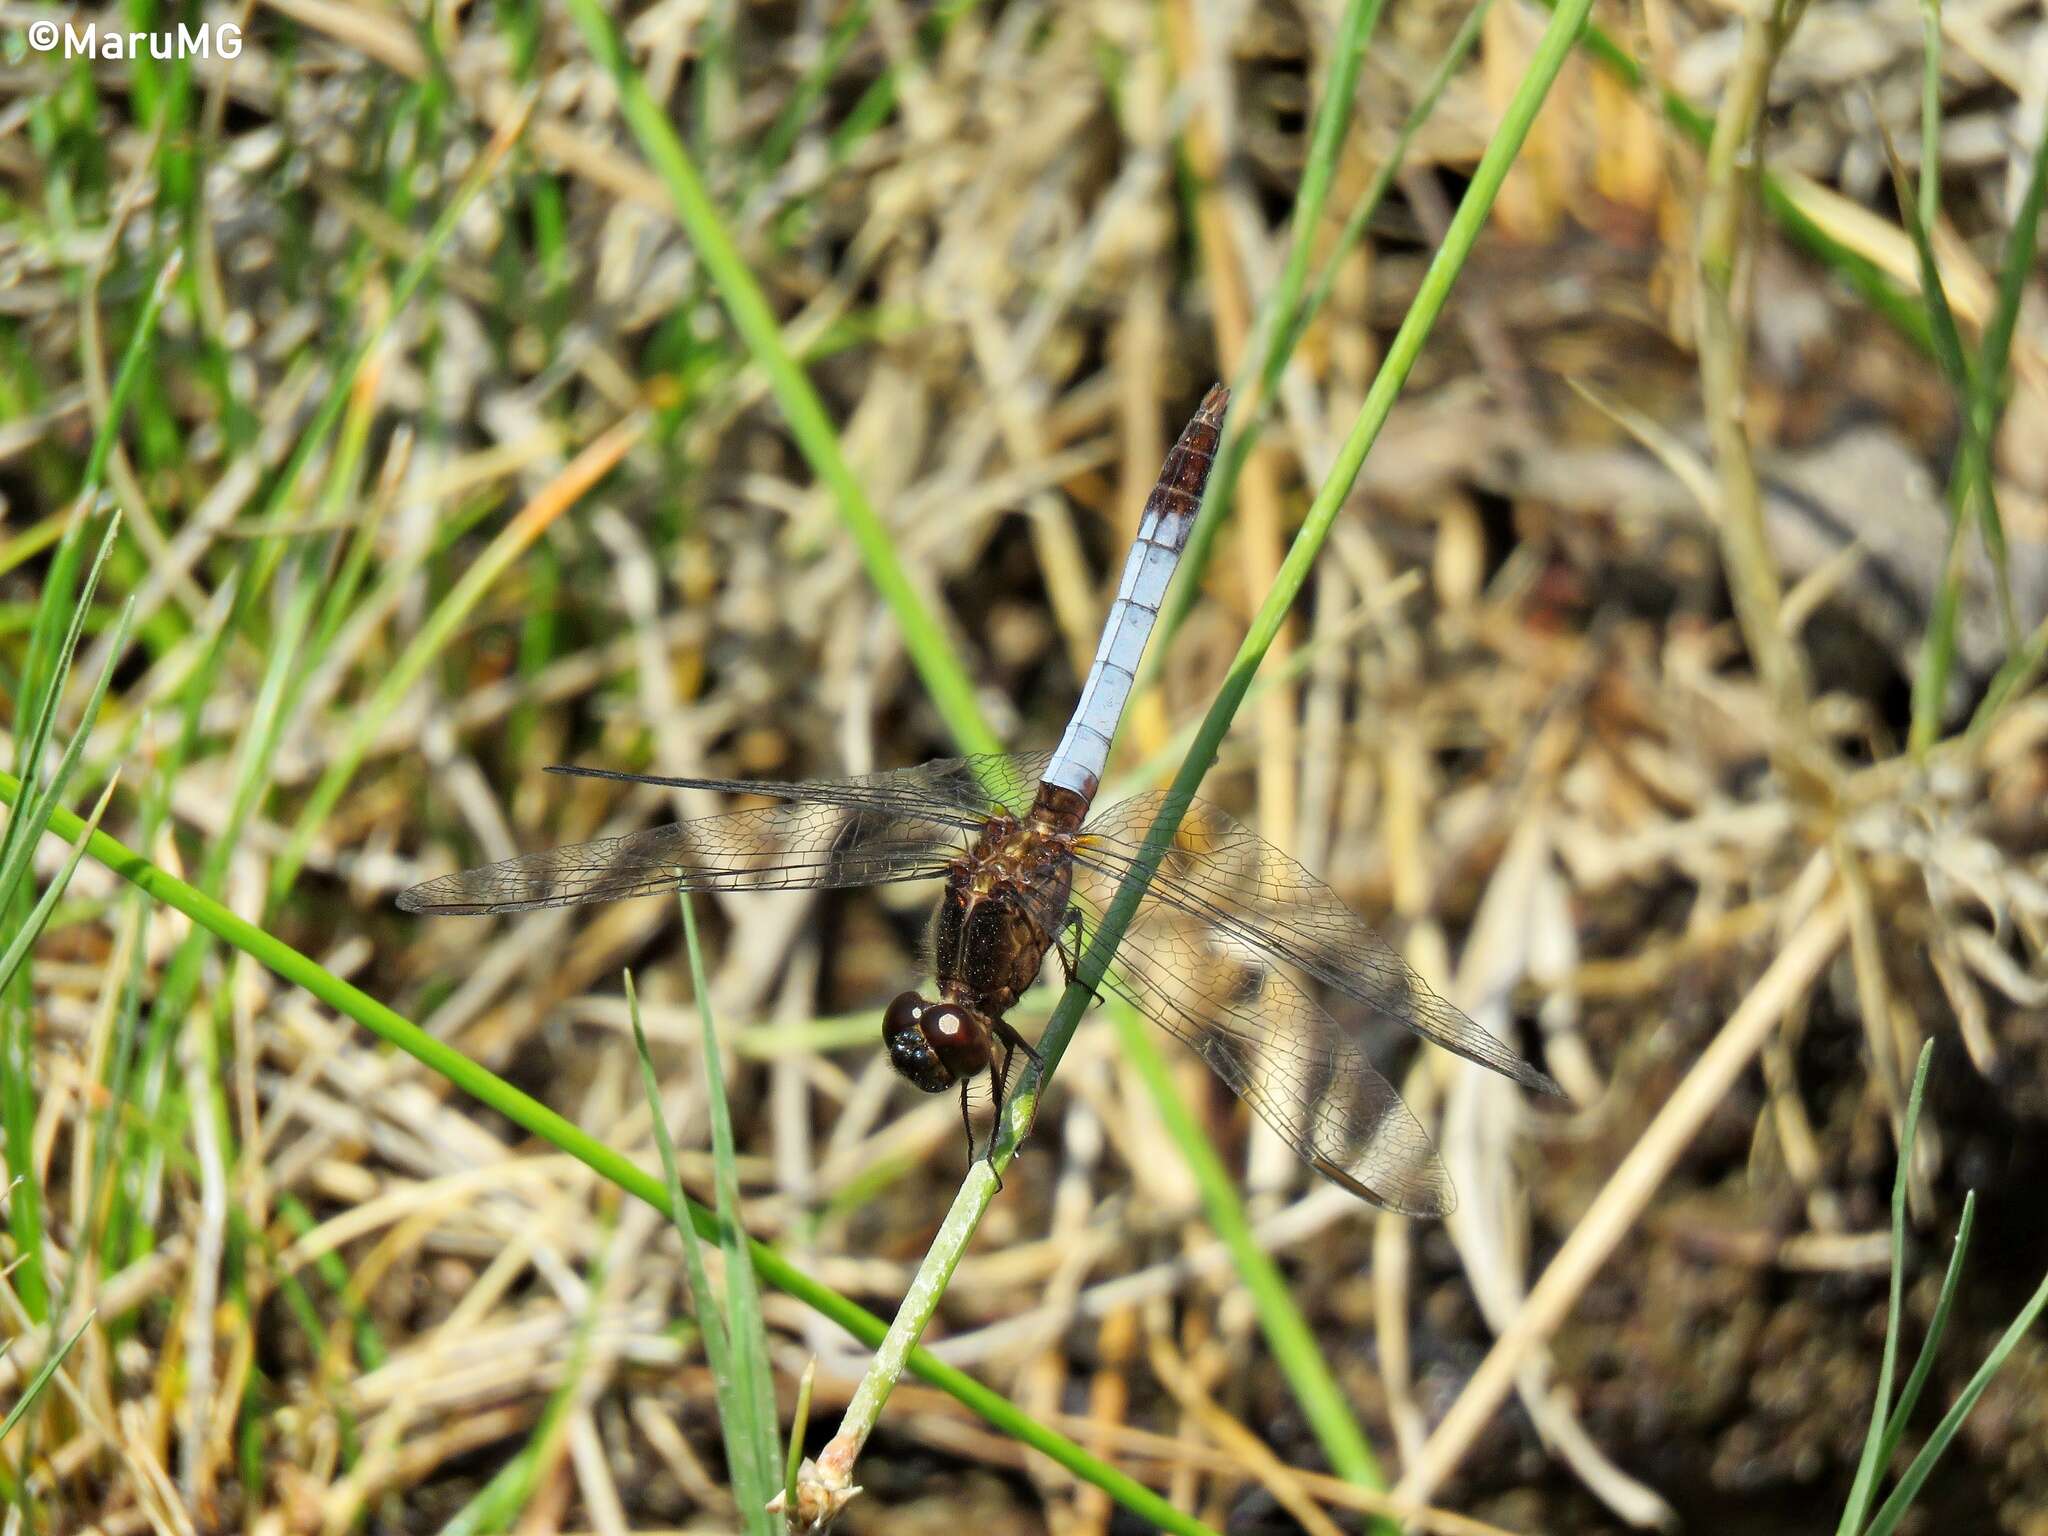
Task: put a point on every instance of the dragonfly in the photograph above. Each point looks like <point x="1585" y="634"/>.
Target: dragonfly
<point x="1228" y="949"/>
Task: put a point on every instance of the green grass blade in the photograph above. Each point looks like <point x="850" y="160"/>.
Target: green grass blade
<point x="1948" y="341"/>
<point x="41" y="1379"/>
<point x="18" y="842"/>
<point x="144" y="1063"/>
<point x="1930" y="113"/>
<point x="799" y="1421"/>
<point x="34" y="811"/>
<point x="1909" y="1395"/>
<point x="334" y="1274"/>
<point x="53" y="638"/>
<point x="2013" y="678"/>
<point x="1361" y="215"/>
<point x="945" y="679"/>
<point x="754" y="1374"/>
<point x="340" y="589"/>
<point x="25" y="937"/>
<point x="879" y="99"/>
<point x="2018" y="263"/>
<point x="250" y="780"/>
<point x="781" y="135"/>
<point x="730" y="1371"/>
<point x="1917" y="1472"/>
<point x="1938" y="645"/>
<point x="43" y="695"/>
<point x="1994" y="359"/>
<point x="64" y="564"/>
<point x="1282" y="320"/>
<point x="1566" y="20"/>
<point x="1971" y="484"/>
<point x="1972" y="477"/>
<point x="1869" y="1468"/>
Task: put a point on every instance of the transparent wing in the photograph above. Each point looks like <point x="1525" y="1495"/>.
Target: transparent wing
<point x="961" y="789"/>
<point x="1254" y="897"/>
<point x="1303" y="1071"/>
<point x="869" y="830"/>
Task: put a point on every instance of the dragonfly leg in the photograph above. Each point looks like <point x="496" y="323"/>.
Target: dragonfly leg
<point x="1070" y="959"/>
<point x="1001" y="1084"/>
<point x="1015" y="1042"/>
<point x="967" y="1121"/>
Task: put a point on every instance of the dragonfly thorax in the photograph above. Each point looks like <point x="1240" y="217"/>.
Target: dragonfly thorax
<point x="934" y="1044"/>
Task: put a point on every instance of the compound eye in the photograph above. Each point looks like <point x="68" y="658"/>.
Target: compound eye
<point x="905" y="1023"/>
<point x="902" y="1015"/>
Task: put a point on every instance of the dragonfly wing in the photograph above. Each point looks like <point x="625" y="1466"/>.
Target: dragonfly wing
<point x="1224" y="875"/>
<point x="869" y="830"/>
<point x="1302" y="1070"/>
<point x="962" y="790"/>
<point x="991" y="779"/>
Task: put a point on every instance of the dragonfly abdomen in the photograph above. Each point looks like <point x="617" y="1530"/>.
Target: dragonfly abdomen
<point x="1162" y="535"/>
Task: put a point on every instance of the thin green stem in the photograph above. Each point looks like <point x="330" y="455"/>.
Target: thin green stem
<point x="1971" y="482"/>
<point x="2013" y="679"/>
<point x="751" y="1443"/>
<point x="54" y="610"/>
<point x="1909" y="1395"/>
<point x="25" y="937"/>
<point x="727" y="1356"/>
<point x="1987" y="405"/>
<point x="1864" y="1487"/>
<point x="1930" y="113"/>
<point x="975" y="1193"/>
<point x="41" y="1379"/>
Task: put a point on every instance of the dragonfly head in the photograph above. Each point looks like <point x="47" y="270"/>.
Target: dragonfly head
<point x="933" y="1044"/>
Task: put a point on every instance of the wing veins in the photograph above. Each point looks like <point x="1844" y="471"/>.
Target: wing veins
<point x="1377" y="1151"/>
<point x="1384" y="982"/>
<point x="845" y="794"/>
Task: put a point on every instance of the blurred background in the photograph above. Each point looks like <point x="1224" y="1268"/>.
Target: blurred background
<point x="444" y="459"/>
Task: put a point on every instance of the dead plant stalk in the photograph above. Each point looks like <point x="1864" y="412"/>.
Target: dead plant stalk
<point x="1727" y="210"/>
